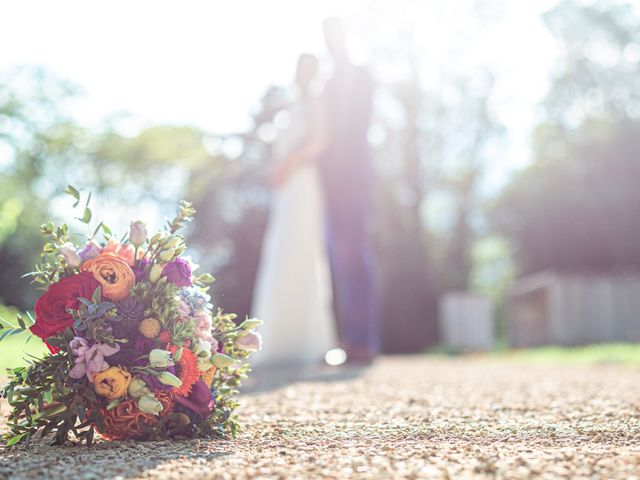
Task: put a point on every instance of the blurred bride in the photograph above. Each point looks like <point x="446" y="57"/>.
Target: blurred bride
<point x="293" y="289"/>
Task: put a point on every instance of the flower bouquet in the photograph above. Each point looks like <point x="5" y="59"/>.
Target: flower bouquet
<point x="136" y="350"/>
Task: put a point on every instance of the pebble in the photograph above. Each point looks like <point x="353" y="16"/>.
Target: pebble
<point x="406" y="417"/>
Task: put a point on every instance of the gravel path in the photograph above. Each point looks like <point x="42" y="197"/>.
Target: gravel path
<point x="411" y="417"/>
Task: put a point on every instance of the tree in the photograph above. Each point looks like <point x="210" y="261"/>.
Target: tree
<point x="575" y="206"/>
<point x="34" y="140"/>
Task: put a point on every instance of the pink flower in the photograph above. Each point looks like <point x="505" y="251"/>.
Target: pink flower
<point x="183" y="308"/>
<point x="125" y="252"/>
<point x="203" y="321"/>
<point x="203" y="324"/>
<point x="90" y="359"/>
<point x="252" y="342"/>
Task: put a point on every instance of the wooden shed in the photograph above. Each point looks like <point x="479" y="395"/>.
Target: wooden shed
<point x="551" y="308"/>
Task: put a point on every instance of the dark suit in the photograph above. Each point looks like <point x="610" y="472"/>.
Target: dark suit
<point x="346" y="173"/>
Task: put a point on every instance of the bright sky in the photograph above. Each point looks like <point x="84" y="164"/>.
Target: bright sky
<point x="206" y="63"/>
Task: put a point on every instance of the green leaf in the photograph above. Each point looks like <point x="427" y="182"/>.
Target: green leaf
<point x="68" y="334"/>
<point x="97" y="295"/>
<point x="86" y="217"/>
<point x="251" y="323"/>
<point x="206" y="278"/>
<point x="21" y="321"/>
<point x="55" y="341"/>
<point x="95" y="232"/>
<point x="15" y="439"/>
<point x="114" y="403"/>
<point x="71" y="190"/>
<point x="85" y="301"/>
<point x="178" y="354"/>
<point x="12" y="331"/>
<point x="107" y="231"/>
<point x="89" y="437"/>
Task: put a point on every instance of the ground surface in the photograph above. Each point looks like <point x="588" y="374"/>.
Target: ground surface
<point x="419" y="417"/>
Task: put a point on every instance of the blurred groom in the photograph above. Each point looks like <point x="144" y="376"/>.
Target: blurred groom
<point x="346" y="173"/>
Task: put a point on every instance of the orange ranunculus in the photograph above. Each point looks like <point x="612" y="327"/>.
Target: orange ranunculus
<point x="113" y="273"/>
<point x="112" y="383"/>
<point x="123" y="251"/>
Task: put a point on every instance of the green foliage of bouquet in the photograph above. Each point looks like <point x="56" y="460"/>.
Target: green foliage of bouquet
<point x="136" y="348"/>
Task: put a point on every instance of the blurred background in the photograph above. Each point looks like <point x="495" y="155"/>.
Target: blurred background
<point x="506" y="138"/>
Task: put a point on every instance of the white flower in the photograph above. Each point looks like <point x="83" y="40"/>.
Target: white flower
<point x="149" y="404"/>
<point x="220" y="360"/>
<point x="138" y="388"/>
<point x="155" y="273"/>
<point x="160" y="358"/>
<point x="169" y="378"/>
<point x="137" y="232"/>
<point x="202" y="348"/>
<point x="71" y="255"/>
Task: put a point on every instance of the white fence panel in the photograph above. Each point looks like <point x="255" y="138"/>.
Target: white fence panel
<point x="574" y="309"/>
<point x="467" y="322"/>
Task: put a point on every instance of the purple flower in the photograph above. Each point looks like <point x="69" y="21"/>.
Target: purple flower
<point x="143" y="345"/>
<point x="140" y="269"/>
<point x="154" y="384"/>
<point x="90" y="250"/>
<point x="132" y="351"/>
<point x="79" y="346"/>
<point x="200" y="400"/>
<point x="178" y="272"/>
<point x="89" y="358"/>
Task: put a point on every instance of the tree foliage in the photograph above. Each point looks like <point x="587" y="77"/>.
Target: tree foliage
<point x="575" y="207"/>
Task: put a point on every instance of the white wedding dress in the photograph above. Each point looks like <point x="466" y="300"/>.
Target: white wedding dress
<point x="293" y="290"/>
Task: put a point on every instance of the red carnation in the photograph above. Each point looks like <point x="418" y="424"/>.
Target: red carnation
<point x="52" y="316"/>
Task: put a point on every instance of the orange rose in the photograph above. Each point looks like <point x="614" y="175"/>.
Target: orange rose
<point x="112" y="382"/>
<point x="123" y="251"/>
<point x="113" y="273"/>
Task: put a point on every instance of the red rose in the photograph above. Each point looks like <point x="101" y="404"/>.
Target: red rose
<point x="52" y="316"/>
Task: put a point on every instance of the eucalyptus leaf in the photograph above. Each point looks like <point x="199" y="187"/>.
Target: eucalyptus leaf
<point x="71" y="190"/>
<point x="86" y="216"/>
<point x="97" y="295"/>
<point x="85" y="301"/>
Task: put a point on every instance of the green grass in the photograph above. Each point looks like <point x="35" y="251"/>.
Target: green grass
<point x="14" y="349"/>
<point x="620" y="353"/>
